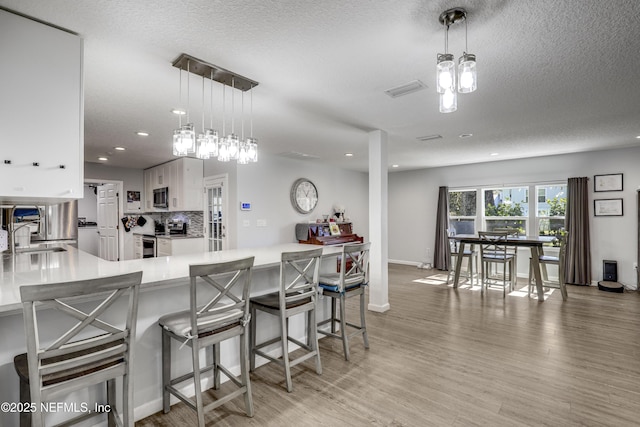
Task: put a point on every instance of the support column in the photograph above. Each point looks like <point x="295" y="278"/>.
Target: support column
<point x="378" y="223"/>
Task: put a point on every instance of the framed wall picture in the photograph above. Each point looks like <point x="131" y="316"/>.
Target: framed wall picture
<point x="609" y="182"/>
<point x="607" y="207"/>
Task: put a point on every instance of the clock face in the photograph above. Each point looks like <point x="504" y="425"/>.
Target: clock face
<point x="304" y="196"/>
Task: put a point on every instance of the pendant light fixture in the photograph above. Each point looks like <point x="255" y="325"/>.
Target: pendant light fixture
<point x="202" y="151"/>
<point x="252" y="143"/>
<point x="184" y="136"/>
<point x="446" y="70"/>
<point x="223" y="143"/>
<point x="243" y="155"/>
<point x="209" y="143"/>
<point x="467" y="74"/>
<point x="232" y="139"/>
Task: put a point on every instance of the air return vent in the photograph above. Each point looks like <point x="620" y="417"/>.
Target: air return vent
<point x="298" y="155"/>
<point x="405" y="89"/>
<point x="428" y="137"/>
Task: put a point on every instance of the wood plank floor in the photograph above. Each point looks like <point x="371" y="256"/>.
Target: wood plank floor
<point x="445" y="357"/>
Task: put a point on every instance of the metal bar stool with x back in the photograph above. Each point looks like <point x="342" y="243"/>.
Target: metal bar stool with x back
<point x="545" y="260"/>
<point x="297" y="294"/>
<point x="470" y="254"/>
<point x="494" y="251"/>
<point x="94" y="350"/>
<point x="349" y="282"/>
<point x="209" y="321"/>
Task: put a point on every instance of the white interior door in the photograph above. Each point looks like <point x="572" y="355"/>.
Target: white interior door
<point x="108" y="221"/>
<point x="215" y="213"/>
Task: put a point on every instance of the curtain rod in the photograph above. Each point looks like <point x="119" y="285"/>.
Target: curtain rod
<point x="509" y="185"/>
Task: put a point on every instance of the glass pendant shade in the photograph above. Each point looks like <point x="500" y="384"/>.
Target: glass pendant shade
<point x="233" y="144"/>
<point x="467" y="75"/>
<point x="445" y="72"/>
<point x="212" y="142"/>
<point x="201" y="147"/>
<point x="243" y="153"/>
<point x="184" y="140"/>
<point x="252" y="150"/>
<point x="448" y="101"/>
<point x="223" y="150"/>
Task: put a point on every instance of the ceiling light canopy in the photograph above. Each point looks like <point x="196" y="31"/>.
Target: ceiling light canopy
<point x="446" y="76"/>
<point x="208" y="143"/>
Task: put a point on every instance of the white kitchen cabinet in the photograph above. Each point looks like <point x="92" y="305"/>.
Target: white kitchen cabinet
<point x="148" y="190"/>
<point x="41" y="112"/>
<point x="180" y="246"/>
<point x="138" y="249"/>
<point x="183" y="177"/>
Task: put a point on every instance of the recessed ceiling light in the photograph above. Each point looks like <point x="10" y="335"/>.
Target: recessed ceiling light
<point x="465" y="135"/>
<point x="102" y="159"/>
<point x="142" y="133"/>
<point x="395" y="166"/>
<point x="178" y="112"/>
<point x="638" y="136"/>
<point x="494" y="154"/>
<point x="119" y="148"/>
<point x="348" y="154"/>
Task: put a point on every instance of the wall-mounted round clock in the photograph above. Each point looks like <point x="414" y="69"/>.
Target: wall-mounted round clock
<point x="304" y="196"/>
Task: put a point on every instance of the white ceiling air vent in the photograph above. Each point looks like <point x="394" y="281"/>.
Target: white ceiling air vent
<point x="428" y="137"/>
<point x="297" y="155"/>
<point x="405" y="89"/>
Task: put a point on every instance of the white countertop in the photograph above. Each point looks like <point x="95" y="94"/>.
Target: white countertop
<point x="52" y="267"/>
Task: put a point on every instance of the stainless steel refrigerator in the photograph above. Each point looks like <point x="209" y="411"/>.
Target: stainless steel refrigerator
<point x="58" y="223"/>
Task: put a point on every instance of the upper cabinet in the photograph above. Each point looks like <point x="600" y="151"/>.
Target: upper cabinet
<point x="41" y="112"/>
<point x="183" y="179"/>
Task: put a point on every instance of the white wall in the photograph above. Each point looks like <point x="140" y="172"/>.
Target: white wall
<point x="267" y="185"/>
<point x="413" y="198"/>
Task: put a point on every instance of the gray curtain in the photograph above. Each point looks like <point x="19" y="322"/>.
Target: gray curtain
<point x="441" y="253"/>
<point x="578" y="255"/>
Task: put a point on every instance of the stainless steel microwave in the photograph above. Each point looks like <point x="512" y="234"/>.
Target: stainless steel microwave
<point x="161" y="197"/>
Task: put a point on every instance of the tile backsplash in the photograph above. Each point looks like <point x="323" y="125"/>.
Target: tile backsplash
<point x="195" y="219"/>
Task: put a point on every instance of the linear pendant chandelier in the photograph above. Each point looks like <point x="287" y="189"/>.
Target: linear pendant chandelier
<point x="209" y="143"/>
<point x="446" y="69"/>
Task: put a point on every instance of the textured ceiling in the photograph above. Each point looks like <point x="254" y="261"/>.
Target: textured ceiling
<point x="554" y="76"/>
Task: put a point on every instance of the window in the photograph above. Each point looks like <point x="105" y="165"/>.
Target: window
<point x="462" y="211"/>
<point x="506" y="208"/>
<point x="542" y="195"/>
<point x="550" y="211"/>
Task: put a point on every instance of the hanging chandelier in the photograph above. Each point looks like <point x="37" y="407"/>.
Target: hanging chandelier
<point x="209" y="144"/>
<point x="446" y="77"/>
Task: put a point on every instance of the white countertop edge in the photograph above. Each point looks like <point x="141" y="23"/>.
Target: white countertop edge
<point x="75" y="265"/>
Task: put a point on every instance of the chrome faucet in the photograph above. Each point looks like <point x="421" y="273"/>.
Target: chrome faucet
<point x="12" y="229"/>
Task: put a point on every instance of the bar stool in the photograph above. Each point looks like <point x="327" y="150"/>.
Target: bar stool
<point x="208" y="322"/>
<point x="545" y="260"/>
<point x="470" y="254"/>
<point x="495" y="250"/>
<point x="349" y="282"/>
<point x="297" y="294"/>
<point x="68" y="363"/>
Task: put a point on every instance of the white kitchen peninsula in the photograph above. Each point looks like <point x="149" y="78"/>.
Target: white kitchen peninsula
<point x="164" y="290"/>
